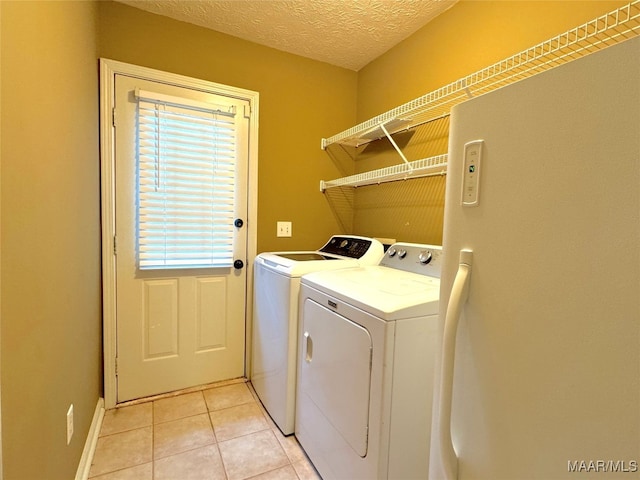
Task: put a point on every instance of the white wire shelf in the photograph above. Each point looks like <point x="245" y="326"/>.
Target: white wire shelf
<point x="425" y="167"/>
<point x="607" y="30"/>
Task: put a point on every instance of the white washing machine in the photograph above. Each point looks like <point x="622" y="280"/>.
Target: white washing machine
<point x="366" y="364"/>
<point x="275" y="315"/>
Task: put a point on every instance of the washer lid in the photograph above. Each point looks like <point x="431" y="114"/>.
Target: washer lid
<point x="341" y="251"/>
<point x="295" y="264"/>
<point x="387" y="293"/>
<point x="304" y="256"/>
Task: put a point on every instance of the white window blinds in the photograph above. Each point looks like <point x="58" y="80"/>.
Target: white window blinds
<point x="186" y="183"/>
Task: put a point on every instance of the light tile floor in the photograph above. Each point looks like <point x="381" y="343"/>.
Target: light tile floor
<point x="222" y="433"/>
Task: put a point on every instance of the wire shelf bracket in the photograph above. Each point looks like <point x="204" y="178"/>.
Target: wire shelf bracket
<point x="604" y="31"/>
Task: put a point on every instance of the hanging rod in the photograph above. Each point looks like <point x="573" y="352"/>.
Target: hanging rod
<point x="609" y="29"/>
<point x="425" y="167"/>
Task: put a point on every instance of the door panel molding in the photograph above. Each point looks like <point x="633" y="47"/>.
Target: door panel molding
<point x="108" y="71"/>
<point x="160" y="314"/>
<point x="210" y="302"/>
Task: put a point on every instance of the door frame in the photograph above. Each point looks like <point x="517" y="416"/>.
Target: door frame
<point x="108" y="70"/>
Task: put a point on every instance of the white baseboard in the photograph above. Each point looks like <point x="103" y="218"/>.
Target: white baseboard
<point x="90" y="444"/>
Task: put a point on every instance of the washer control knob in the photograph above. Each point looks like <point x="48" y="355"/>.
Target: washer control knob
<point x="425" y="257"/>
<point x="391" y="252"/>
<point x="344" y="243"/>
<point x="402" y="253"/>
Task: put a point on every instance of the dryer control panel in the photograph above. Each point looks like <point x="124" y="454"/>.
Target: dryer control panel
<point x="414" y="257"/>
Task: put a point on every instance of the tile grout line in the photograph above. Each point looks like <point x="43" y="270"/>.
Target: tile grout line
<point x="283" y="446"/>
<point x="178" y="393"/>
<point x="274" y="429"/>
<point x="215" y="437"/>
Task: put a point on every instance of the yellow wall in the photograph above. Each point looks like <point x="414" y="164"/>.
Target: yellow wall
<point x="51" y="308"/>
<point x="300" y="101"/>
<point x="50" y="265"/>
<point x="466" y="38"/>
<point x="469" y="36"/>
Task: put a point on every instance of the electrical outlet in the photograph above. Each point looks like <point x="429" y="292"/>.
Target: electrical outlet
<point x="69" y="424"/>
<point x="284" y="229"/>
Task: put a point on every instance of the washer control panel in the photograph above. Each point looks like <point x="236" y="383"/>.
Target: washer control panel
<point x="351" y="246"/>
<point x="414" y="257"/>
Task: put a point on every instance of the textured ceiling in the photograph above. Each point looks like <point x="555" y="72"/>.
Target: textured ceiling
<point x="346" y="33"/>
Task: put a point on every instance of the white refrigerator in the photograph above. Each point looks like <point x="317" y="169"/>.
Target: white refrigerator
<point x="539" y="374"/>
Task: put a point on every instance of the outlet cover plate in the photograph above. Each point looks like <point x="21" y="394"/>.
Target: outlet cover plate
<point x="283" y="229"/>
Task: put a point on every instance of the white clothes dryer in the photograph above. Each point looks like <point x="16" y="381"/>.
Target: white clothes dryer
<point x="366" y="364"/>
<point x="275" y="315"/>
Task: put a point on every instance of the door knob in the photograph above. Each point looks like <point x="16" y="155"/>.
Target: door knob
<point x="238" y="264"/>
<point x="238" y="223"/>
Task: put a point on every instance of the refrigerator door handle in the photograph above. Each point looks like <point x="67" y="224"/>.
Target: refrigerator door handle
<point x="458" y="298"/>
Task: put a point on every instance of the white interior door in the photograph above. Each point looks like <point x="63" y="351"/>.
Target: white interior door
<point x="178" y="325"/>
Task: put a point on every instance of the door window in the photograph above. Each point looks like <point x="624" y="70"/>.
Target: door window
<point x="186" y="164"/>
